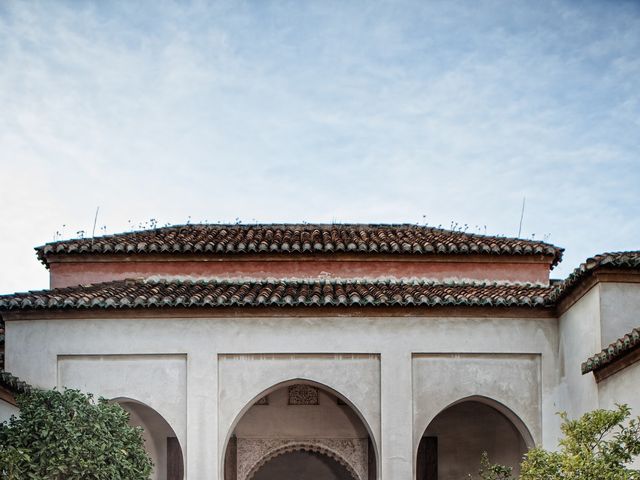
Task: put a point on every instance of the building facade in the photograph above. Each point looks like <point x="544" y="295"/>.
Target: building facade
<point x="362" y="352"/>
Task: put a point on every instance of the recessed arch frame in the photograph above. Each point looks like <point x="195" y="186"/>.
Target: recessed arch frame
<point x="497" y="405"/>
<point x="313" y="383"/>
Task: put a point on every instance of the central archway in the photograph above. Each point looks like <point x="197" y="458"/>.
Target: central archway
<point x="300" y="426"/>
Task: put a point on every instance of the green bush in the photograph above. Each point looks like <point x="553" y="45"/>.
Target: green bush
<point x="67" y="435"/>
<point x="597" y="446"/>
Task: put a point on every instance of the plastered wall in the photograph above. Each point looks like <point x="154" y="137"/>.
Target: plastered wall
<point x="579" y="339"/>
<point x="6" y="410"/>
<point x="278" y="419"/>
<point x="620" y="310"/>
<point x="622" y="388"/>
<point x="202" y="374"/>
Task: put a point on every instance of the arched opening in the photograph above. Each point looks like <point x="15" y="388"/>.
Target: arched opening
<point x="303" y="428"/>
<point x="160" y="440"/>
<point x="453" y="443"/>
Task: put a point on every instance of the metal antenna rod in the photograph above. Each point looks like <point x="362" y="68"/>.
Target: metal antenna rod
<point x="95" y="220"/>
<point x="524" y="199"/>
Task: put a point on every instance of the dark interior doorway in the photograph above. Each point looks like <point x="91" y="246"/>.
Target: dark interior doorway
<point x="302" y="465"/>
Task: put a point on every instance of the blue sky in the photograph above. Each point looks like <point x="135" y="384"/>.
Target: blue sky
<point x="319" y="111"/>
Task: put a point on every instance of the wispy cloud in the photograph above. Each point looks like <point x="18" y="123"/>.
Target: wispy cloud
<point x="319" y="111"/>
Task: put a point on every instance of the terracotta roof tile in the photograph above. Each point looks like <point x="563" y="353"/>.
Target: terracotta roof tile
<point x="615" y="351"/>
<point x="158" y="293"/>
<point x="616" y="260"/>
<point x="13" y="384"/>
<point x="300" y="239"/>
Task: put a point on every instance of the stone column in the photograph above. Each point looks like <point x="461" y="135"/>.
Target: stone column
<point x="202" y="408"/>
<point x="397" y="417"/>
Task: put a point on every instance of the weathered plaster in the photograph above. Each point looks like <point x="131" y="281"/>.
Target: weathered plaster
<point x="509" y="382"/>
<point x="619" y="309"/>
<point x="366" y="359"/>
<point x="6" y="410"/>
<point x="157" y="381"/>
<point x="579" y="339"/>
<point x="622" y="388"/>
<point x="78" y="271"/>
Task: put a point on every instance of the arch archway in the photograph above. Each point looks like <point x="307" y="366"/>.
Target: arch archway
<point x="295" y="416"/>
<point x="279" y="464"/>
<point x="454" y="441"/>
<point x="160" y="439"/>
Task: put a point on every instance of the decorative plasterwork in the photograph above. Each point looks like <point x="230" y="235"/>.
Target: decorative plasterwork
<point x="253" y="453"/>
<point x="301" y="394"/>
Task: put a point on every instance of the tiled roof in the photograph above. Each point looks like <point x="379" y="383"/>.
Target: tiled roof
<point x="13" y="383"/>
<point x="303" y="238"/>
<point x="615" y="260"/>
<point x="158" y="293"/>
<point x="615" y="351"/>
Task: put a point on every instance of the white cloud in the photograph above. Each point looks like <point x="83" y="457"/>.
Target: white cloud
<point x="281" y="111"/>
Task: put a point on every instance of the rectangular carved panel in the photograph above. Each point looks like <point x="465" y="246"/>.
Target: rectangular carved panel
<point x="300" y="394"/>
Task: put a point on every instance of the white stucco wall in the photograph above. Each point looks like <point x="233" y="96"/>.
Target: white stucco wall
<point x="201" y="373"/>
<point x="278" y="419"/>
<point x="511" y="382"/>
<point x="579" y="340"/>
<point x="6" y="410"/>
<point x="158" y="381"/>
<point x="620" y="388"/>
<point x="620" y="310"/>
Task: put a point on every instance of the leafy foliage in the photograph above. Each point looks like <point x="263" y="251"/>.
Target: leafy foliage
<point x="67" y="435"/>
<point x="597" y="446"/>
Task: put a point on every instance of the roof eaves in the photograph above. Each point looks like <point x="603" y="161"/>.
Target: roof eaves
<point x="614" y="352"/>
<point x="13" y="384"/>
<point x="186" y="293"/>
<point x="629" y="260"/>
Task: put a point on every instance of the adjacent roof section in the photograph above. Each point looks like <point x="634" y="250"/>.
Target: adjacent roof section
<point x="171" y="293"/>
<point x="616" y="351"/>
<point x="13" y="384"/>
<point x="614" y="260"/>
<point x="303" y="238"/>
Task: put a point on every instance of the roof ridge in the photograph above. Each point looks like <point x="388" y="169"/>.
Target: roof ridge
<point x="301" y="238"/>
<point x="300" y="225"/>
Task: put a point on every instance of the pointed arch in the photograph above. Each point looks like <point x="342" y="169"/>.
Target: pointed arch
<point x="311" y="446"/>
<point x="453" y="440"/>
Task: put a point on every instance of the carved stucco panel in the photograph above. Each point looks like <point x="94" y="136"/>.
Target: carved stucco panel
<point x="301" y="394"/>
<point x="255" y="452"/>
